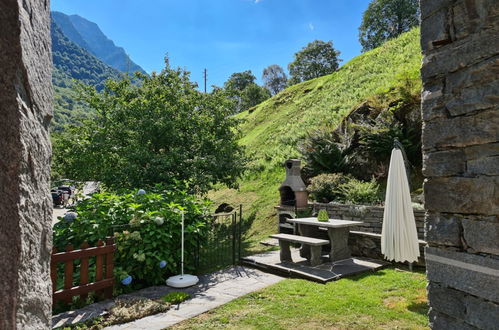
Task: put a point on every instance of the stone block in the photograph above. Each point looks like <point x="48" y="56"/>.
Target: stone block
<point x="470" y="273"/>
<point x="25" y="205"/>
<point x="459" y="55"/>
<point x="462" y="195"/>
<point x="483" y="166"/>
<point x="474" y="88"/>
<point x="441" y="321"/>
<point x="432" y="100"/>
<point x="444" y="163"/>
<point x="443" y="229"/>
<point x="482" y="314"/>
<point x="481" y="236"/>
<point x="473" y="16"/>
<point x="447" y="301"/>
<point x="435" y="31"/>
<point x="429" y="7"/>
<point x="461" y="131"/>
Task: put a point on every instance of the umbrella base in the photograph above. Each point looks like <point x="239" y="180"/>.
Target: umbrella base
<point x="182" y="281"/>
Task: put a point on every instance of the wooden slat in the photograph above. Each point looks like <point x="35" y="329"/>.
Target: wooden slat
<point x="99" y="266"/>
<point x="300" y="239"/>
<point x="53" y="272"/>
<point x="109" y="267"/>
<point x="77" y="254"/>
<point x="84" y="271"/>
<point x="82" y="289"/>
<point x="68" y="273"/>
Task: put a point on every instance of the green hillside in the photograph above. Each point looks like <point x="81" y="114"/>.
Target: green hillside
<point x="272" y="130"/>
<point x="71" y="62"/>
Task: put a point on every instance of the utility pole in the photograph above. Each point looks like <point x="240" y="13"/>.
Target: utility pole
<point x="205" y="74"/>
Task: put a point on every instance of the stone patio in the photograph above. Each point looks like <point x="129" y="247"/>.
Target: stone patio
<point x="212" y="291"/>
<point x="323" y="273"/>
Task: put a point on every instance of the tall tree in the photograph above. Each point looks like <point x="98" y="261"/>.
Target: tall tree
<point x="253" y="95"/>
<point x="317" y="59"/>
<point x="386" y="19"/>
<point x="243" y="91"/>
<point x="158" y="130"/>
<point x="274" y="78"/>
<point x="238" y="81"/>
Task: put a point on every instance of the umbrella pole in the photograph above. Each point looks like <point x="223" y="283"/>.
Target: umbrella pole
<point x="410" y="266"/>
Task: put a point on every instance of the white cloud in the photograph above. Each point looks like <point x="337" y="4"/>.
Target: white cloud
<point x="311" y="26"/>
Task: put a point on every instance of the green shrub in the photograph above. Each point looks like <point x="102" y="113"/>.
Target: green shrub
<point x="360" y="192"/>
<point x="324" y="187"/>
<point x="176" y="297"/>
<point x="323" y="216"/>
<point x="146" y="228"/>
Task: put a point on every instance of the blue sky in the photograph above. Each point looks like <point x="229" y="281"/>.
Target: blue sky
<point x="223" y="36"/>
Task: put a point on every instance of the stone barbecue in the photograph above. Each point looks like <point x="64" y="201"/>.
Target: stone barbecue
<point x="293" y="190"/>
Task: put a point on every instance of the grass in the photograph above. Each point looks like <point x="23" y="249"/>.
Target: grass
<point x="387" y="299"/>
<point x="272" y="130"/>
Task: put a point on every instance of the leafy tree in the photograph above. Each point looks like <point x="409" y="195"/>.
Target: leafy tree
<point x="243" y="91"/>
<point x="158" y="130"/>
<point x="317" y="59"/>
<point x="253" y="95"/>
<point x="386" y="19"/>
<point x="274" y="78"/>
<point x="238" y="81"/>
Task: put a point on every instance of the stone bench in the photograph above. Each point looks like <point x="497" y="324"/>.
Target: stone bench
<point x="314" y="243"/>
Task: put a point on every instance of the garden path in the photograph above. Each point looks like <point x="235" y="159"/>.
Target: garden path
<point x="212" y="291"/>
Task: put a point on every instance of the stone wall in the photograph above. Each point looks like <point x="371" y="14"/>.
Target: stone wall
<point x="372" y="216"/>
<point x="460" y="103"/>
<point x="365" y="240"/>
<point x="25" y="206"/>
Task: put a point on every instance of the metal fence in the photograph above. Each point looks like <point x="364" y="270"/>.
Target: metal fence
<point x="222" y="246"/>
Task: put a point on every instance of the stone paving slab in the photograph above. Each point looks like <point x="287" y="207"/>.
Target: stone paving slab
<point x="300" y="267"/>
<point x="213" y="290"/>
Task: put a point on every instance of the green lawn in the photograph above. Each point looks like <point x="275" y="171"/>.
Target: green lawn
<point x="387" y="299"/>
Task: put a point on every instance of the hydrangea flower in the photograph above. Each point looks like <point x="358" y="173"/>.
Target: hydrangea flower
<point x="159" y="221"/>
<point x="141" y="192"/>
<point x="135" y="235"/>
<point x="162" y="264"/>
<point x="127" y="280"/>
<point x="70" y="216"/>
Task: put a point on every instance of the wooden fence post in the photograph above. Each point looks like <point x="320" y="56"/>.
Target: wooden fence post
<point x="68" y="273"/>
<point x="108" y="293"/>
<point x="99" y="267"/>
<point x="84" y="270"/>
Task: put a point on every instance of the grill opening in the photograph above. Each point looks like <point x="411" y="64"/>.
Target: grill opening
<point x="287" y="196"/>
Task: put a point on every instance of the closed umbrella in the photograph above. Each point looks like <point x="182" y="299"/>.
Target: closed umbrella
<point x="399" y="238"/>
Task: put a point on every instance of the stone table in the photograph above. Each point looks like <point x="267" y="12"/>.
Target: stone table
<point x="337" y="230"/>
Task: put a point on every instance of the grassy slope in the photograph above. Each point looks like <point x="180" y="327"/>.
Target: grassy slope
<point x="272" y="130"/>
<point x="387" y="299"/>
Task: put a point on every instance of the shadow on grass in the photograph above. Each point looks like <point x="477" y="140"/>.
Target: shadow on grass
<point x="419" y="307"/>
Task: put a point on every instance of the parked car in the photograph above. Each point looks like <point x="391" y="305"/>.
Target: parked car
<point x="57" y="197"/>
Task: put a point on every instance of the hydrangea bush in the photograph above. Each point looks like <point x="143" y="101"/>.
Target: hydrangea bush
<point x="146" y="228"/>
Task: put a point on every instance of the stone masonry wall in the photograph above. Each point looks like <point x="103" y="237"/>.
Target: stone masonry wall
<point x="365" y="240"/>
<point x="372" y="216"/>
<point x="25" y="206"/>
<point x="460" y="103"/>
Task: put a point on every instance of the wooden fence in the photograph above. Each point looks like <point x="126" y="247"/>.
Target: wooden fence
<point x="103" y="281"/>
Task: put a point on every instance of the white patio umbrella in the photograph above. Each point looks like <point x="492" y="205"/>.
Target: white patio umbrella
<point x="399" y="238"/>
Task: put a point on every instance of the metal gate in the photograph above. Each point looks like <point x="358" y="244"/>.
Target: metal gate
<point x="221" y="247"/>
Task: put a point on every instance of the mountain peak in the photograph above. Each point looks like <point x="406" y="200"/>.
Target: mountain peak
<point x="89" y="36"/>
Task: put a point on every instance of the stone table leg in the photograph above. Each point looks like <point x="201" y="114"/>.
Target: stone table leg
<point x="315" y="255"/>
<point x="339" y="243"/>
<point x="285" y="253"/>
<point x="308" y="231"/>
